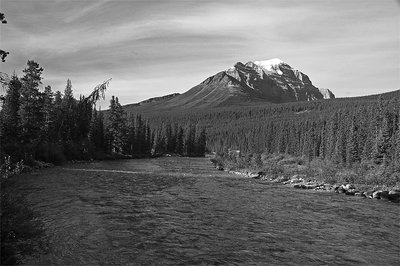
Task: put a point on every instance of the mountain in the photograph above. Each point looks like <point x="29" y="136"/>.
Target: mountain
<point x="156" y="99"/>
<point x="327" y="94"/>
<point x="272" y="81"/>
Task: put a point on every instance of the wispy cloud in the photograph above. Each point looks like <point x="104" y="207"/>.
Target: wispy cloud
<point x="77" y="14"/>
<point x="154" y="47"/>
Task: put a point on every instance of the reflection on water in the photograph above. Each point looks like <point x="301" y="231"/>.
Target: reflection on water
<point x="182" y="211"/>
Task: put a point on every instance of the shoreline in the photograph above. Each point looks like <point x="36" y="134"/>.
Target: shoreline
<point x="299" y="181"/>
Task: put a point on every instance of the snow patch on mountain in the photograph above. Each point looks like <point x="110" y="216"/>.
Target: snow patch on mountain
<point x="326" y="93"/>
<point x="271" y="65"/>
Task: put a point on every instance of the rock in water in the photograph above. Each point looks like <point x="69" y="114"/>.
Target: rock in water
<point x="341" y="190"/>
<point x="349" y="186"/>
<point x="385" y="195"/>
<point x="351" y="192"/>
<point x="368" y="194"/>
<point x="394" y="196"/>
<point x="376" y="194"/>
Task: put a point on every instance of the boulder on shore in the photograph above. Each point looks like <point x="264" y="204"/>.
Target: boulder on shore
<point x="368" y="194"/>
<point x="299" y="186"/>
<point x="359" y="194"/>
<point x="310" y="186"/>
<point x="351" y="192"/>
<point x="348" y="187"/>
<point x="384" y="195"/>
<point x="394" y="195"/>
<point x="376" y="194"/>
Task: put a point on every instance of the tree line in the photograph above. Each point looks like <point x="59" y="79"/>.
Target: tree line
<point x="346" y="132"/>
<point x="135" y="136"/>
<point x="39" y="124"/>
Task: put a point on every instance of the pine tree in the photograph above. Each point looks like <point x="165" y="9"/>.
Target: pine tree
<point x="201" y="143"/>
<point x="171" y="138"/>
<point x="30" y="111"/>
<point x="56" y="132"/>
<point x="131" y="137"/>
<point x="190" y="141"/>
<point x="9" y="114"/>
<point x="160" y="145"/>
<point x="179" y="141"/>
<point x="140" y="136"/>
<point x="69" y="115"/>
<point x="353" y="153"/>
<point x="96" y="133"/>
<point x="48" y="112"/>
<point x="332" y="136"/>
<point x="116" y="129"/>
<point x="383" y="144"/>
<point x="396" y="160"/>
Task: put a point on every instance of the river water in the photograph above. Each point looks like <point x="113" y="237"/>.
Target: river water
<point x="183" y="211"/>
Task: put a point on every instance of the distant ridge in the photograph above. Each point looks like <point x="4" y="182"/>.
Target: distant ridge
<point x="155" y="99"/>
<point x="385" y="95"/>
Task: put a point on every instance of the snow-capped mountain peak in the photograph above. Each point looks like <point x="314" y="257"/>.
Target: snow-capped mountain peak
<point x="272" y="81"/>
<point x="271" y="65"/>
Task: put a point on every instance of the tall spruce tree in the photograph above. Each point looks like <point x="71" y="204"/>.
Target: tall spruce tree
<point x="383" y="144"/>
<point x="68" y="105"/>
<point x="58" y="115"/>
<point x="201" y="143"/>
<point x="48" y="113"/>
<point x="30" y="111"/>
<point x="353" y="152"/>
<point x="117" y="128"/>
<point x="96" y="133"/>
<point x="10" y="119"/>
<point x="179" y="141"/>
<point x="190" y="141"/>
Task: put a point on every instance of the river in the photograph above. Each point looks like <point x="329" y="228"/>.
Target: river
<point x="183" y="211"/>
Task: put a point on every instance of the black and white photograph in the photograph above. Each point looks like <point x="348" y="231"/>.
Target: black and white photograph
<point x="200" y="132"/>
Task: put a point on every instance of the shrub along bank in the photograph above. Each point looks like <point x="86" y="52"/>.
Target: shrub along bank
<point x="365" y="179"/>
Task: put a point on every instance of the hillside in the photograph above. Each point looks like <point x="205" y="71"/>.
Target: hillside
<point x="258" y="82"/>
<point x="254" y="126"/>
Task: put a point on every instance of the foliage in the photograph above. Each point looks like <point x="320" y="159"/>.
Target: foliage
<point x="54" y="127"/>
<point x="341" y="133"/>
<point x="117" y="128"/>
<point x="8" y="169"/>
<point x="22" y="233"/>
<point x="285" y="165"/>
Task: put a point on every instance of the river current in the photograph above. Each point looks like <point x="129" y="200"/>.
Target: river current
<point x="181" y="211"/>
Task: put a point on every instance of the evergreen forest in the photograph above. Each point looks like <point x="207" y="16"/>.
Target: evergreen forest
<point x="346" y="133"/>
<point x="41" y="125"/>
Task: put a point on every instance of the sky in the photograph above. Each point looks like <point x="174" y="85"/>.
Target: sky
<point x="156" y="47"/>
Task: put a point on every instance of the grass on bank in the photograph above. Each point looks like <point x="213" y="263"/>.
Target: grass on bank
<point x="364" y="175"/>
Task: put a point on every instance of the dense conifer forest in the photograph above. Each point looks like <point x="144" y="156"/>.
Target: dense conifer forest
<point x="39" y="124"/>
<point x="346" y="132"/>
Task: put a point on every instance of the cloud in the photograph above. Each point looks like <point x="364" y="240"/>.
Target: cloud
<point x="81" y="12"/>
<point x="152" y="47"/>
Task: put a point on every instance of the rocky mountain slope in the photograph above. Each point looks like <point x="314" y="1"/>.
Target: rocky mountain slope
<point x="271" y="81"/>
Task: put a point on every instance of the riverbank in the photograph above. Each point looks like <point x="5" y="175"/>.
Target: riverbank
<point x="320" y="176"/>
<point x="302" y="182"/>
